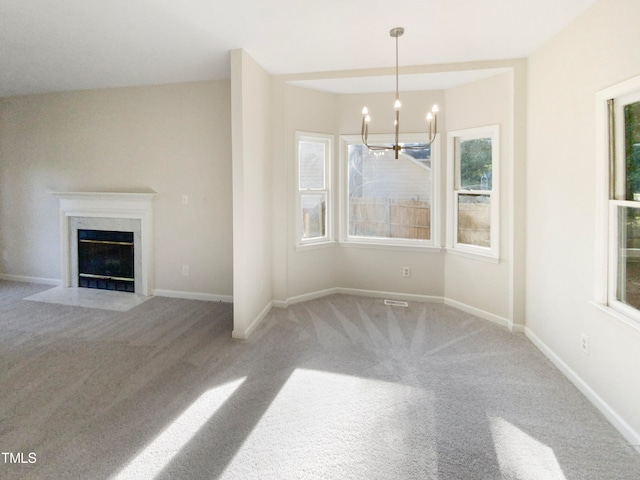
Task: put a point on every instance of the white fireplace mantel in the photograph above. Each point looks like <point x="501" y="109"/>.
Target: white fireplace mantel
<point x="110" y="207"/>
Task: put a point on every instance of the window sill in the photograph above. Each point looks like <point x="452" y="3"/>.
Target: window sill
<point x="389" y="246"/>
<point x="476" y="256"/>
<point x="301" y="247"/>
<point x="620" y="317"/>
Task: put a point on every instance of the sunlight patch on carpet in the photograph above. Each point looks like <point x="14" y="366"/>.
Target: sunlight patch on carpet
<point x="323" y="424"/>
<point x="521" y="456"/>
<point x="168" y="444"/>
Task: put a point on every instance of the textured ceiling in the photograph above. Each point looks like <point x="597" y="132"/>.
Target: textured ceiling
<point x="78" y="44"/>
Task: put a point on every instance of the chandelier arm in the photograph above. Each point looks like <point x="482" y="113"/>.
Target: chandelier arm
<point x="365" y="130"/>
<point x="420" y="146"/>
<point x="398" y="147"/>
<point x="377" y="147"/>
<point x="435" y="127"/>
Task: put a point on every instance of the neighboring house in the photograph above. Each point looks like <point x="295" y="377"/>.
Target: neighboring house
<point x="410" y="177"/>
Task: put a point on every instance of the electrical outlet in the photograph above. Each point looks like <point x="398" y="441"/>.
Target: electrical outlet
<point x="585" y="344"/>
<point x="406" y="272"/>
<point x="185" y="270"/>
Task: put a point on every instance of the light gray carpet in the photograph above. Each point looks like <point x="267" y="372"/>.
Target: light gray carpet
<point x="336" y="388"/>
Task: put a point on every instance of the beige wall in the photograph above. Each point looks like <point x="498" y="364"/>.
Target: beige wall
<point x="598" y="50"/>
<point x="471" y="281"/>
<point x="252" y="213"/>
<point x="310" y="270"/>
<point x="172" y="139"/>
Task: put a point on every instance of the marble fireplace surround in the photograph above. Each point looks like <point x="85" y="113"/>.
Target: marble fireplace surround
<point x="120" y="211"/>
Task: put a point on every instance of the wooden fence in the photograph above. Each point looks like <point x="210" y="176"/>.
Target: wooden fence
<point x="389" y="218"/>
<point x="474" y="224"/>
<point x="313" y="220"/>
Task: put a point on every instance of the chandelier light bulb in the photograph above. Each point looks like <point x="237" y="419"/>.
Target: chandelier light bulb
<point x="397" y="104"/>
<point x="367" y="118"/>
<point x="365" y="111"/>
<point x="435" y="109"/>
<point x="429" y="117"/>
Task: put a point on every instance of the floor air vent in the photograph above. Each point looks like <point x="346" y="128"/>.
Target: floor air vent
<point x="396" y="303"/>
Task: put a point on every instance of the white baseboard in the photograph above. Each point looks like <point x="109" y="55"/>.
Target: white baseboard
<point x="357" y="292"/>
<point x="409" y="297"/>
<point x="21" y="278"/>
<point x="305" y="297"/>
<point x="630" y="435"/>
<point x="244" y="334"/>
<point x="207" y="297"/>
<point x="402" y="296"/>
<point x="505" y="322"/>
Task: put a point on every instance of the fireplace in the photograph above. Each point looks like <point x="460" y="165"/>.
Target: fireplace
<point x="106" y="260"/>
<point x="127" y="213"/>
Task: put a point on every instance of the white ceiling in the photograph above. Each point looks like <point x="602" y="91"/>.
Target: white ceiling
<point x="63" y="45"/>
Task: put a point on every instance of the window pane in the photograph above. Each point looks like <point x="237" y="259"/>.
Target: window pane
<point x="312" y="164"/>
<point x="632" y="149"/>
<point x="314" y="211"/>
<point x="422" y="155"/>
<point x="628" y="290"/>
<point x="475" y="164"/>
<point x="474" y="220"/>
<point x="389" y="198"/>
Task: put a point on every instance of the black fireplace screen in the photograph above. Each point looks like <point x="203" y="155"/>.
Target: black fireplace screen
<point x="105" y="260"/>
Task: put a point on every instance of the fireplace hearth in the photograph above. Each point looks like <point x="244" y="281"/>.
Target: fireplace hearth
<point x="106" y="260"/>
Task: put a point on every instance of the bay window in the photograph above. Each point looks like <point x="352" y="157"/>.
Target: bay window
<point x="387" y="201"/>
<point x="472" y="207"/>
<point x="313" y="177"/>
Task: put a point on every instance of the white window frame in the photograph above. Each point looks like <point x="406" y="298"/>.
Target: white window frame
<point x="328" y="237"/>
<point x="491" y="253"/>
<point x="610" y="197"/>
<point x="433" y="244"/>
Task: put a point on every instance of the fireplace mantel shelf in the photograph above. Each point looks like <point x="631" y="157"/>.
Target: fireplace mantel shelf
<point x="105" y="195"/>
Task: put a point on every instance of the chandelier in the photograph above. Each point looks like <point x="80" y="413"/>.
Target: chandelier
<point x="432" y="116"/>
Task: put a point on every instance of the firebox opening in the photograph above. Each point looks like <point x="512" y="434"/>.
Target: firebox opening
<point x="105" y="260"/>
